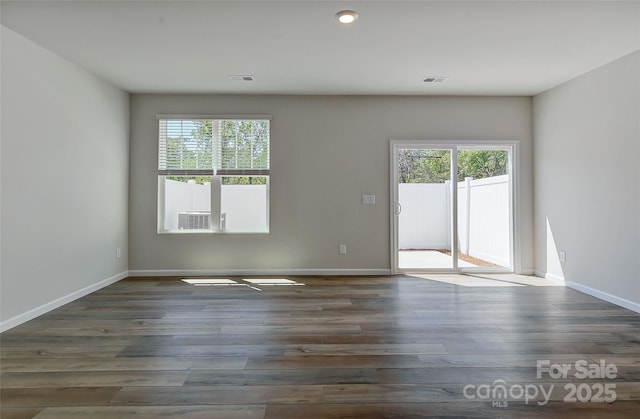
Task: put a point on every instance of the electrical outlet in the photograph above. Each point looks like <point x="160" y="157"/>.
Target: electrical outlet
<point x="343" y="249"/>
<point x="563" y="256"/>
<point x="118" y="253"/>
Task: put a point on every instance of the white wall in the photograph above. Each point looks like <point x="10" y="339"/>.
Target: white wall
<point x="587" y="181"/>
<point x="326" y="152"/>
<point x="60" y="126"/>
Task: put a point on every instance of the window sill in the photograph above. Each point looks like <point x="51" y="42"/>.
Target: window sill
<point x="204" y="231"/>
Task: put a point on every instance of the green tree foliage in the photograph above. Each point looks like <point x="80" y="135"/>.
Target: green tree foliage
<point x="424" y="166"/>
<point x="480" y="164"/>
<point x="243" y="144"/>
<point x="433" y="166"/>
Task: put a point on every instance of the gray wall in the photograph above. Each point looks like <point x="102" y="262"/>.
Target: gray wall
<point x="326" y="153"/>
<point x="587" y="181"/>
<point x="64" y="180"/>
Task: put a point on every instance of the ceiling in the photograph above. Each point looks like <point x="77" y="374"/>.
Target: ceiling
<point x="298" y="47"/>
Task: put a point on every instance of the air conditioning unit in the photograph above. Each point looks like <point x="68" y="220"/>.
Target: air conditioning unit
<point x="194" y="220"/>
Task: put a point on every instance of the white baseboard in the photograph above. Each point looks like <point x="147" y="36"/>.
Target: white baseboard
<point x="45" y="308"/>
<point x="550" y="277"/>
<point x="630" y="305"/>
<point x="253" y="272"/>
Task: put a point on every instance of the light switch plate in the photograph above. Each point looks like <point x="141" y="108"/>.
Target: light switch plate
<point x="368" y="199"/>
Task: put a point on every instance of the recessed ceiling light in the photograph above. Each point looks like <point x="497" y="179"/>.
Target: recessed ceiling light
<point x="347" y="16"/>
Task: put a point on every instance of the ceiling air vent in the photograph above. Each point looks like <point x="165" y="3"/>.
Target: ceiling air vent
<point x="433" y="79"/>
<point x="242" y="77"/>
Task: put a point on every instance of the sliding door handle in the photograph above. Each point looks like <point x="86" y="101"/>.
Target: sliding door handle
<point x="398" y="208"/>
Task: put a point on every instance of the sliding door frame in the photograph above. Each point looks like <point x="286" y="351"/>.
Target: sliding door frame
<point x="454" y="145"/>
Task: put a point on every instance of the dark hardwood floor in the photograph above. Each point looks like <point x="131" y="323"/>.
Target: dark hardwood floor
<point x="362" y="347"/>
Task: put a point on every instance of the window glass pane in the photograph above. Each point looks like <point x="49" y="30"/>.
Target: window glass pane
<point x="244" y="203"/>
<point x="480" y="164"/>
<point x="244" y="144"/>
<point x="424" y="165"/>
<point x="186" y="144"/>
<point x="484" y="202"/>
<point x="424" y="221"/>
<point x="187" y="202"/>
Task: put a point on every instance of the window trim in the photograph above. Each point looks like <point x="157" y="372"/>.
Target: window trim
<point x="216" y="175"/>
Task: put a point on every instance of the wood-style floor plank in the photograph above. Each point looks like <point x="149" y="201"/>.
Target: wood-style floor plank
<point x="90" y="379"/>
<point x="60" y="352"/>
<point x="57" y="396"/>
<point x="122" y="364"/>
<point x="19" y="412"/>
<point x="328" y="347"/>
<point x="243" y="395"/>
<point x="334" y="361"/>
<point x="365" y="349"/>
<point x="379" y="410"/>
<point x="557" y="409"/>
<point x="223" y="411"/>
<point x="282" y="377"/>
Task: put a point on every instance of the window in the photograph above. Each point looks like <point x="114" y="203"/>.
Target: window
<point x="213" y="174"/>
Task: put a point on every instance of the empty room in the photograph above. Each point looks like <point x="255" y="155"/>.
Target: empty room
<point x="319" y="209"/>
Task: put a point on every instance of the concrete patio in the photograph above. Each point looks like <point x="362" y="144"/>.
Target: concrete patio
<point x="428" y="259"/>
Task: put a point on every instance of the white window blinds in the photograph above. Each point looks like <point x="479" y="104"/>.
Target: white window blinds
<point x="226" y="147"/>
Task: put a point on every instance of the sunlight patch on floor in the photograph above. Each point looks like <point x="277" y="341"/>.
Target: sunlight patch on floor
<point x="252" y="283"/>
<point x="490" y="280"/>
<point x="271" y="281"/>
<point x="199" y="282"/>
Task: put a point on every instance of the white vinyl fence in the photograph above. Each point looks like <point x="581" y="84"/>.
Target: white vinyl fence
<point x="244" y="206"/>
<point x="483" y="217"/>
<point x="483" y="213"/>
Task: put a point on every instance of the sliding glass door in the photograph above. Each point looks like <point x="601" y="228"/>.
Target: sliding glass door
<point x="423" y="206"/>
<point x="452" y="206"/>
